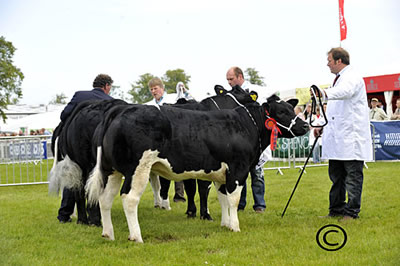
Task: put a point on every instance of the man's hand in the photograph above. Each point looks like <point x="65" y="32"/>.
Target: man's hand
<point x="317" y="132"/>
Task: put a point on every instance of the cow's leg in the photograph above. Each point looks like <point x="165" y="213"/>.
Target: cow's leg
<point x="81" y="206"/>
<point x="204" y="189"/>
<point x="224" y="204"/>
<point x="165" y="183"/>
<point x="155" y="185"/>
<point x="190" y="188"/>
<point x="233" y="203"/>
<point x="106" y="200"/>
<point x="131" y="200"/>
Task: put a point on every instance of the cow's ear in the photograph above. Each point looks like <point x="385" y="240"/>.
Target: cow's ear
<point x="254" y="95"/>
<point x="293" y="102"/>
<point x="219" y="90"/>
<point x="267" y="107"/>
<point x="273" y="98"/>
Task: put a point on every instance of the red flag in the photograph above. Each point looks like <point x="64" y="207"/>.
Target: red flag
<point x="343" y="27"/>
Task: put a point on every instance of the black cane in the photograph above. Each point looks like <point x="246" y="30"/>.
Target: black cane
<point x="302" y="171"/>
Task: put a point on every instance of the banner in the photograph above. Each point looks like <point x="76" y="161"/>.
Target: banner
<point x="27" y="150"/>
<point x="387" y="140"/>
<point x="343" y="26"/>
<point x="299" y="146"/>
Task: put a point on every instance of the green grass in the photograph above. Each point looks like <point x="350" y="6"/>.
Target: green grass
<point x="31" y="235"/>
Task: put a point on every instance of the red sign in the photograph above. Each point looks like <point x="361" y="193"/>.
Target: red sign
<point x="382" y="83"/>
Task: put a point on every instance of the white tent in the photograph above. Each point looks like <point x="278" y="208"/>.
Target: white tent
<point x="48" y="120"/>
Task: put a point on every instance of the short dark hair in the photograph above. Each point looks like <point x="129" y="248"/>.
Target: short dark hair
<point x="102" y="80"/>
<point x="238" y="71"/>
<point x="340" y="53"/>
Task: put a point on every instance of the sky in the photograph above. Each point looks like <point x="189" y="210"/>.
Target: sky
<point x="63" y="45"/>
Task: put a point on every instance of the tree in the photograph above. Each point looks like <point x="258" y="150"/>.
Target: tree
<point x="140" y="90"/>
<point x="117" y="93"/>
<point x="59" y="99"/>
<point x="252" y="76"/>
<point x="172" y="77"/>
<point x="10" y="77"/>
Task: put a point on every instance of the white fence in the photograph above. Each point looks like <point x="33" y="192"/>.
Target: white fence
<point x="25" y="160"/>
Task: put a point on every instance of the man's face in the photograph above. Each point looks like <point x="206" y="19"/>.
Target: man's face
<point x="398" y="103"/>
<point x="333" y="65"/>
<point x="157" y="92"/>
<point x="233" y="80"/>
<point x="374" y="104"/>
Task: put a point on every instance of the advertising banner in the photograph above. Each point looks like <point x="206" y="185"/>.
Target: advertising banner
<point x="387" y="140"/>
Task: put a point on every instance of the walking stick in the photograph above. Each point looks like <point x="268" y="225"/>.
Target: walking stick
<point x="313" y="107"/>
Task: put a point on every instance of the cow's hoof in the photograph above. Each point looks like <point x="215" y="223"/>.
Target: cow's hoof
<point x="106" y="236"/>
<point x="191" y="214"/>
<point x="82" y="222"/>
<point x="206" y="217"/>
<point x="138" y="240"/>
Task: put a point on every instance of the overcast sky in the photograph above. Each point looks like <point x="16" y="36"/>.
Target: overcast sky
<point x="63" y="45"/>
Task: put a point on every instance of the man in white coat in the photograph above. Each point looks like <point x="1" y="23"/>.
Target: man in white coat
<point x="347" y="138"/>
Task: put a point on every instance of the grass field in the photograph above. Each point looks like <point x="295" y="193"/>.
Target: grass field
<point x="31" y="235"/>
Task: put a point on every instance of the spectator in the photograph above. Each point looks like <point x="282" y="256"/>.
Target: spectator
<point x="156" y="87"/>
<point x="376" y="113"/>
<point x="316" y="120"/>
<point x="183" y="92"/>
<point x="396" y="114"/>
<point x="235" y="77"/>
<point x="307" y="112"/>
<point x="101" y="88"/>
<point x="347" y="138"/>
<point x="299" y="112"/>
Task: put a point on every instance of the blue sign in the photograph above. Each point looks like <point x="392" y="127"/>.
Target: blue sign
<point x="387" y="140"/>
<point x="32" y="150"/>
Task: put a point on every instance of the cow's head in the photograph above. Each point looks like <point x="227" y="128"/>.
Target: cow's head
<point x="241" y="95"/>
<point x="289" y="125"/>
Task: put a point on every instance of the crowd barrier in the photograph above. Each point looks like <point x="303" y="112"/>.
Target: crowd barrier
<point x="25" y="160"/>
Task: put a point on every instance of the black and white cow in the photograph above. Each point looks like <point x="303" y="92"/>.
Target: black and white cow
<point x="223" y="100"/>
<point x="73" y="153"/>
<point x="219" y="146"/>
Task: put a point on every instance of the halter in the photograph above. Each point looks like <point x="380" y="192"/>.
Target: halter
<point x="289" y="129"/>
<point x="244" y="107"/>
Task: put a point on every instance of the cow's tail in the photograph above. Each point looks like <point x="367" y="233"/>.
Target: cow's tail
<point x="95" y="184"/>
<point x="54" y="180"/>
<point x="65" y="174"/>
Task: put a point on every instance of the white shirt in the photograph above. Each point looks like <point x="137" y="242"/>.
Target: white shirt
<point x="166" y="98"/>
<point x="347" y="135"/>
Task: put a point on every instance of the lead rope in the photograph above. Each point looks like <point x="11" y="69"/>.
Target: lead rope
<point x="313" y="110"/>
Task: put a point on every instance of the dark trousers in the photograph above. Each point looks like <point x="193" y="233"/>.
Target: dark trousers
<point x="346" y="176"/>
<point x="89" y="214"/>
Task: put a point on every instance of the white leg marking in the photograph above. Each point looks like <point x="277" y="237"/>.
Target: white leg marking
<point x="131" y="200"/>
<point x="233" y="203"/>
<point x="155" y="185"/>
<point x="224" y="206"/>
<point x="106" y="200"/>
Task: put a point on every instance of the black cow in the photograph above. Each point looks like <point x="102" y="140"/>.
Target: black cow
<point x="72" y="145"/>
<point x="219" y="146"/>
<point x="223" y="100"/>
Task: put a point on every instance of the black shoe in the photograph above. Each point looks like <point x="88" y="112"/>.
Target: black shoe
<point x="178" y="198"/>
<point x="259" y="210"/>
<point x="62" y="221"/>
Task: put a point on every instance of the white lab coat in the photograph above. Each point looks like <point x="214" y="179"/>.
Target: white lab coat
<point x="347" y="135"/>
<point x="166" y="98"/>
